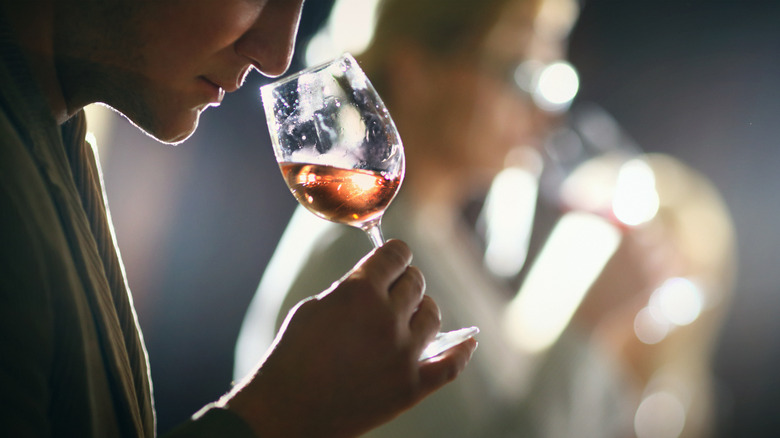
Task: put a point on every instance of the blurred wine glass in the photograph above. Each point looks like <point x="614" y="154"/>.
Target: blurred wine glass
<point x="596" y="175"/>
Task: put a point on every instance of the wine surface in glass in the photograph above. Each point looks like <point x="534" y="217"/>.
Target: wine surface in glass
<point x="348" y="196"/>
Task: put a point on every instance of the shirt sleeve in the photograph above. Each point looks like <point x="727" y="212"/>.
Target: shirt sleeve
<point x="212" y="422"/>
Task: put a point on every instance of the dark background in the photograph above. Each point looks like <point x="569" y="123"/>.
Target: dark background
<point x="697" y="79"/>
<point x="701" y="80"/>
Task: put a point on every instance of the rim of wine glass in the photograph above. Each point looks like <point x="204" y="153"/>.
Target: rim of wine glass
<point x="315" y="68"/>
<point x="267" y="90"/>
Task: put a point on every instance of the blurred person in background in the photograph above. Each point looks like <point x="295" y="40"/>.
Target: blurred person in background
<point x="449" y="77"/>
<point x="648" y="246"/>
<point x="74" y="361"/>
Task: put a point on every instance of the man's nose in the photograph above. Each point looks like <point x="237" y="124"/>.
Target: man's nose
<point x="270" y="42"/>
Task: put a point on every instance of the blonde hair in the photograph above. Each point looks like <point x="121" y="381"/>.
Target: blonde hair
<point x="441" y="28"/>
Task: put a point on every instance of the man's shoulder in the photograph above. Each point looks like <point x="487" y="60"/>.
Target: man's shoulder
<point x="28" y="217"/>
<point x="21" y="180"/>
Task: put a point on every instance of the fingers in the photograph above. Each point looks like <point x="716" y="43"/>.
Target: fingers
<point x="407" y="291"/>
<point x="425" y="322"/>
<point x="385" y="264"/>
<point x="442" y="369"/>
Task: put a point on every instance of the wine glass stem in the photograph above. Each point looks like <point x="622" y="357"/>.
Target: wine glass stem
<point x="374" y="233"/>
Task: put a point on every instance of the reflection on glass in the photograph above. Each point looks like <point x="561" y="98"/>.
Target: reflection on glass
<point x="552" y="86"/>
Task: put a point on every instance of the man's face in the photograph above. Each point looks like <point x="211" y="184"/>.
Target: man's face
<point x="167" y="60"/>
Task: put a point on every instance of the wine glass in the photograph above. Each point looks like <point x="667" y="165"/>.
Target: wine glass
<point x="604" y="189"/>
<point x="340" y="152"/>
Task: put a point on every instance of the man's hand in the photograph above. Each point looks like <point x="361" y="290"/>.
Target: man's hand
<point x="346" y="360"/>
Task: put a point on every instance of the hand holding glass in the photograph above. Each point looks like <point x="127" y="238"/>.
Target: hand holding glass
<point x="340" y="152"/>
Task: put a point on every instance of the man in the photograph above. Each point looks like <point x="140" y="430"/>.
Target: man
<point x="73" y="360"/>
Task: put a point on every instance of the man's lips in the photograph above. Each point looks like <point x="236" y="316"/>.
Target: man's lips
<point x="217" y="92"/>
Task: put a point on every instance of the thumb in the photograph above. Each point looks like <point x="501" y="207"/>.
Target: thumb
<point x="444" y="368"/>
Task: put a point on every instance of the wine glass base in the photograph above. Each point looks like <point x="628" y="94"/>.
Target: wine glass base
<point x="446" y="340"/>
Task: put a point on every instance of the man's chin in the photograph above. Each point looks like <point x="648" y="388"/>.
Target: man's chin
<point x="169" y="131"/>
<point x="176" y="138"/>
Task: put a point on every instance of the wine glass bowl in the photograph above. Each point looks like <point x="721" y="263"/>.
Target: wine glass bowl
<point x="337" y="146"/>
